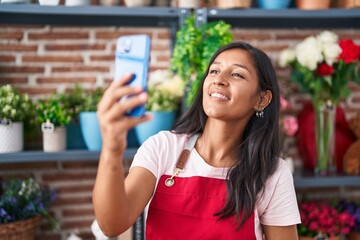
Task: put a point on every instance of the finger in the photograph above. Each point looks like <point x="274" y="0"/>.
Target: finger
<point x="122" y="80"/>
<point x="113" y="96"/>
<point x="119" y="109"/>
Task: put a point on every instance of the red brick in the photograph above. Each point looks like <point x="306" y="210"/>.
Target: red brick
<point x="163" y="58"/>
<point x="75" y="188"/>
<point x="80" y="165"/>
<point x="164" y="35"/>
<point x="46" y="59"/>
<point x="66" y="80"/>
<point x="11" y="35"/>
<point x="74" y="47"/>
<point x="77" y="212"/>
<point x="160" y="47"/>
<point x="105" y="58"/>
<point x="76" y="224"/>
<point x="21" y="69"/>
<point x="60" y="201"/>
<point x="37" y="90"/>
<point x="126" y="31"/>
<point x="28" y="166"/>
<point x="7" y="58"/>
<point x="58" y="35"/>
<point x="12" y="80"/>
<point x="81" y="69"/>
<point x="18" y="48"/>
<point x="66" y="176"/>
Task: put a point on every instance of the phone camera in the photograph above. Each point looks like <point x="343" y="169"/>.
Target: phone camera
<point x="125" y="46"/>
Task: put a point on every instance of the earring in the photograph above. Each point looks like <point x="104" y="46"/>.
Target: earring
<point x="259" y="113"/>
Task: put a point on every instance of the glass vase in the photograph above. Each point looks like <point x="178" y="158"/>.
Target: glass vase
<point x="325" y="137"/>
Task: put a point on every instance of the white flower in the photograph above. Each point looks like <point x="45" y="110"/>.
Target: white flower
<point x="309" y="53"/>
<point x="286" y="56"/>
<point x="6" y="109"/>
<point x="331" y="52"/>
<point x="327" y="37"/>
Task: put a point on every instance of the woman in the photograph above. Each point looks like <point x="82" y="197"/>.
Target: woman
<point x="229" y="184"/>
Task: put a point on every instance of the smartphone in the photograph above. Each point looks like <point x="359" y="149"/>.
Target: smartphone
<point x="133" y="56"/>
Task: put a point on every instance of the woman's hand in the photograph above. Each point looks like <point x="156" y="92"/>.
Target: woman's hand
<point x="114" y="124"/>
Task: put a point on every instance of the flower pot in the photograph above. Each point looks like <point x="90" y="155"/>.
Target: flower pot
<point x="11" y="137"/>
<point x="90" y="130"/>
<point x="74" y="138"/>
<point x="188" y="3"/>
<point x="233" y="4"/>
<point x="137" y="3"/>
<point x="49" y="2"/>
<point x="76" y="2"/>
<point x="20" y="230"/>
<point x="109" y="2"/>
<point x="273" y="4"/>
<point x="160" y="121"/>
<point x="312" y="4"/>
<point x="54" y="138"/>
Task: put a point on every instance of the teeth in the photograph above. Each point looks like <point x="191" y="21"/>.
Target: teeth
<point x="219" y="95"/>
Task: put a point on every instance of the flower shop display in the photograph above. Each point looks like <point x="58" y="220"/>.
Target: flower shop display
<point x="15" y="111"/>
<point x="193" y="49"/>
<point x="352" y="208"/>
<point x="323" y="66"/>
<point x="320" y="220"/>
<point x="53" y="115"/>
<point x="89" y="124"/>
<point x="351" y="162"/>
<point x="22" y="204"/>
<point x="164" y="95"/>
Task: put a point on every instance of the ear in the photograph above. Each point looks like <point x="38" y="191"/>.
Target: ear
<point x="264" y="99"/>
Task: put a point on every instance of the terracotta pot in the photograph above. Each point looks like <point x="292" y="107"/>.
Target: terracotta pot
<point x="313" y="4"/>
<point x="353" y="236"/>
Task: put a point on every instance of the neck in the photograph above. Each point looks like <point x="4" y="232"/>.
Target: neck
<point x="217" y="145"/>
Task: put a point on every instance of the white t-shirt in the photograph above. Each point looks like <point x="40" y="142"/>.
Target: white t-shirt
<point x="277" y="206"/>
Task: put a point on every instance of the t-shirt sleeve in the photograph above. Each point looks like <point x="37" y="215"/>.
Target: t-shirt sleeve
<point x="279" y="202"/>
<point x="146" y="156"/>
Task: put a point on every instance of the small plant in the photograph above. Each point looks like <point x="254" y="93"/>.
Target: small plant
<point x="73" y="99"/>
<point x="14" y="106"/>
<point x="91" y="99"/>
<point x="164" y="91"/>
<point x="193" y="49"/>
<point x="53" y="110"/>
<point x="23" y="199"/>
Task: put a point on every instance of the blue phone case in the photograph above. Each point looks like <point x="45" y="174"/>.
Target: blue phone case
<point x="132" y="56"/>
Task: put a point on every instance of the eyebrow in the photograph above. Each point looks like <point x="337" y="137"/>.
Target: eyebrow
<point x="236" y="64"/>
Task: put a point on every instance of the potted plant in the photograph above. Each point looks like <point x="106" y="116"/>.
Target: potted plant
<point x="193" y="50"/>
<point x="89" y="124"/>
<point x="22" y="204"/>
<point x="54" y="116"/>
<point x="15" y="111"/>
<point x="320" y="220"/>
<point x="352" y="208"/>
<point x="73" y="99"/>
<point x="164" y="95"/>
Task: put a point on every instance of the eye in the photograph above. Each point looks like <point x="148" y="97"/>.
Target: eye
<point x="237" y="75"/>
<point x="213" y="71"/>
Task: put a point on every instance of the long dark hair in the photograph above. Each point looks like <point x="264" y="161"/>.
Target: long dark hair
<point x="258" y="152"/>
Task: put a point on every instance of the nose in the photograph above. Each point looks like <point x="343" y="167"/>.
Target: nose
<point x="220" y="80"/>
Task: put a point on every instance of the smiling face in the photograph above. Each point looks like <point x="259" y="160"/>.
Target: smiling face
<point x="230" y="90"/>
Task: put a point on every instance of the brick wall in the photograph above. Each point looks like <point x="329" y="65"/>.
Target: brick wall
<point x="40" y="60"/>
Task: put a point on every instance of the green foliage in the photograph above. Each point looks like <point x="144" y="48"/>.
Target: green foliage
<point x="91" y="100"/>
<point x="162" y="101"/>
<point x="193" y="49"/>
<point x="54" y="110"/>
<point x="15" y="106"/>
<point x="73" y="99"/>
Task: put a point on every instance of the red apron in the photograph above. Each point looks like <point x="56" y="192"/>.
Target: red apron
<point x="186" y="211"/>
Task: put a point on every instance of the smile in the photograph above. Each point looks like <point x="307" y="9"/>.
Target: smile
<point x="219" y="96"/>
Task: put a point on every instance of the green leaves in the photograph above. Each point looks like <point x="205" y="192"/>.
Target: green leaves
<point x="194" y="48"/>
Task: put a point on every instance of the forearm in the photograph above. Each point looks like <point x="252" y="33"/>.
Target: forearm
<point x="109" y="196"/>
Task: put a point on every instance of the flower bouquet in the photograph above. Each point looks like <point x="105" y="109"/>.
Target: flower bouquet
<point x="320" y="219"/>
<point x="323" y="66"/>
<point x="22" y="204"/>
<point x="15" y="112"/>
